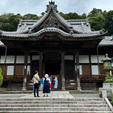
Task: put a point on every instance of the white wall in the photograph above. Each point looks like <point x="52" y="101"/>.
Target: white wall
<point x="10" y="59"/>
<point x="29" y="61"/>
<point x="28" y="69"/>
<point x="19" y="59"/>
<point x="94" y="59"/>
<point x="101" y="57"/>
<point x="10" y="70"/>
<point x="80" y="69"/>
<point x="68" y="57"/>
<point x="2" y="58"/>
<point x="94" y="69"/>
<point x="83" y="59"/>
<point x="36" y="57"/>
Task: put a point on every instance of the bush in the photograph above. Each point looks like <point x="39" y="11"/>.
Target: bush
<point x="1" y="77"/>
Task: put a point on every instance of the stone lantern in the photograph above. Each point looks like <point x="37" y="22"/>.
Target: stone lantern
<point x="107" y="68"/>
<point x="107" y="89"/>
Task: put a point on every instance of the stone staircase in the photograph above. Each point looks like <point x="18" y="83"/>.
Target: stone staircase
<point x="29" y="104"/>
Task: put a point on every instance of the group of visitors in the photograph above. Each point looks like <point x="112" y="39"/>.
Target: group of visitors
<point x="44" y="83"/>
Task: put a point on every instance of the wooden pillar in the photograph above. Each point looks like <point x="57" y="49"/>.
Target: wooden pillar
<point x="5" y="68"/>
<point x="31" y="67"/>
<point x="14" y="77"/>
<point x="74" y="60"/>
<point x="98" y="60"/>
<point x="25" y="71"/>
<point x="40" y="63"/>
<point x="77" y="70"/>
<point x="43" y="72"/>
<point x="90" y="66"/>
<point x="62" y="71"/>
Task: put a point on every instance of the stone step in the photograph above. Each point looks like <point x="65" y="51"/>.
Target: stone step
<point x="56" y="112"/>
<point x="53" y="105"/>
<point x="48" y="109"/>
<point x="53" y="99"/>
<point x="28" y="102"/>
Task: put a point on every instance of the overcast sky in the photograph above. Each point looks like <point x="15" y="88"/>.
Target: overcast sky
<point x="37" y="6"/>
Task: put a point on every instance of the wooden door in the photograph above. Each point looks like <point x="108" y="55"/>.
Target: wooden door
<point x="70" y="76"/>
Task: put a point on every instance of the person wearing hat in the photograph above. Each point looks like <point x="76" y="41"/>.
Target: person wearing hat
<point x="46" y="86"/>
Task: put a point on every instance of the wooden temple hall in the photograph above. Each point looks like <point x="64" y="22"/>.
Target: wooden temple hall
<point x="63" y="48"/>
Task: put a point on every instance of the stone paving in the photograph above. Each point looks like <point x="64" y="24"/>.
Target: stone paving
<point x="78" y="95"/>
<point x="53" y="94"/>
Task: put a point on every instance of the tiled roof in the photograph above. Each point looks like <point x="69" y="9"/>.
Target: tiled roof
<point x="77" y="28"/>
<point x="25" y="25"/>
<point x="80" y="25"/>
<point x="66" y="36"/>
<point x="2" y="44"/>
<point x="107" y="41"/>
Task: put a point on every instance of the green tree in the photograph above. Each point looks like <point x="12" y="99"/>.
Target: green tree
<point x="97" y="19"/>
<point x="95" y="12"/>
<point x="30" y="17"/>
<point x="83" y="16"/>
<point x="72" y="16"/>
<point x="9" y="22"/>
<point x="97" y="22"/>
<point x="109" y="22"/>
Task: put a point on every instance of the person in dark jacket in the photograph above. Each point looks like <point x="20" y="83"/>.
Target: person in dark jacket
<point x="46" y="86"/>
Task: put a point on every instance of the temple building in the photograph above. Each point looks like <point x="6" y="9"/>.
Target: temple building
<point x="63" y="48"/>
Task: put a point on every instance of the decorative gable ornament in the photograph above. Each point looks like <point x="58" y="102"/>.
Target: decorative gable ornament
<point x="51" y="6"/>
<point x="51" y="21"/>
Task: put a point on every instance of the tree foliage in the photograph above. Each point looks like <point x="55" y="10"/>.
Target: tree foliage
<point x="98" y="19"/>
<point x="109" y="22"/>
<point x="72" y="16"/>
<point x="30" y="16"/>
<point x="95" y="12"/>
<point x="1" y="77"/>
<point x="9" y="22"/>
<point x="97" y="22"/>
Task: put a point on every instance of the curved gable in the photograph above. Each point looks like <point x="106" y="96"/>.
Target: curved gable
<point x="51" y="19"/>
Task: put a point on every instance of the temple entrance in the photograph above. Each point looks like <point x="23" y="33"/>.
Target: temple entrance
<point x="52" y="63"/>
<point x="34" y="67"/>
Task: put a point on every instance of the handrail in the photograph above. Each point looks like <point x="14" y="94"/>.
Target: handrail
<point x="109" y="104"/>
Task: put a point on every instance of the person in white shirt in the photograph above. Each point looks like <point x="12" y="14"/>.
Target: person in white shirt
<point x="36" y="81"/>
